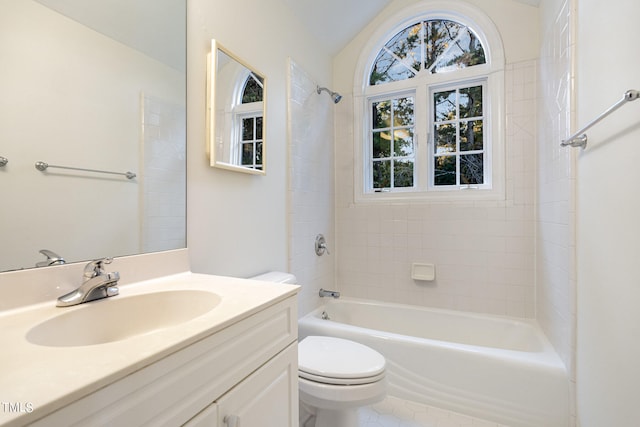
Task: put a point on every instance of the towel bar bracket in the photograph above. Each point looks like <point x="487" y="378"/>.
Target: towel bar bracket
<point x="579" y="139"/>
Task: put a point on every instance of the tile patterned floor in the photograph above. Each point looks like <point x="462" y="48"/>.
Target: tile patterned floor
<point x="394" y="412"/>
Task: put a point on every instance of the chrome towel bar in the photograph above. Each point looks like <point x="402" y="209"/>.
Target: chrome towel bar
<point x="579" y="139"/>
<point x="42" y="166"/>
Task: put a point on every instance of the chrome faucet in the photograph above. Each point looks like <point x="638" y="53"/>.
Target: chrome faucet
<point x="52" y="259"/>
<point x="97" y="284"/>
<point x="326" y="293"/>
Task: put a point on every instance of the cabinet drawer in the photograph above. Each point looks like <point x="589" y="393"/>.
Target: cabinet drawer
<point x="174" y="389"/>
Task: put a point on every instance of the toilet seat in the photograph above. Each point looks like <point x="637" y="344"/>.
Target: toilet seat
<point x="330" y="360"/>
<point x="339" y="381"/>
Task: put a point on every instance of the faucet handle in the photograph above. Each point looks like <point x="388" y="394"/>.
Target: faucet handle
<point x="94" y="268"/>
<point x="52" y="258"/>
<point x="321" y="245"/>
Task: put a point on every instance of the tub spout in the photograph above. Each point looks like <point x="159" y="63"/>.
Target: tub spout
<point x="327" y="293"/>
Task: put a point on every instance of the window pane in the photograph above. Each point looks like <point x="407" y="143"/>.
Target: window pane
<point x="247" y="129"/>
<point x="473" y="53"/>
<point x="471" y="102"/>
<point x="444" y="170"/>
<point x="403" y="173"/>
<point x="406" y="46"/>
<point x="465" y="52"/>
<point x="247" y="154"/>
<point x="444" y="105"/>
<point x="382" y="174"/>
<point x="259" y="153"/>
<point x="445" y="138"/>
<point x="403" y="143"/>
<point x="258" y="127"/>
<point x="471" y="169"/>
<point x="381" y="145"/>
<point x="381" y="114"/>
<point x="471" y="137"/>
<point x="438" y="37"/>
<point x="252" y="90"/>
<point x="403" y="111"/>
<point x="386" y="68"/>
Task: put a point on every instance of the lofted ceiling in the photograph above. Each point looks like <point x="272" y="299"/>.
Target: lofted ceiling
<point x="335" y="22"/>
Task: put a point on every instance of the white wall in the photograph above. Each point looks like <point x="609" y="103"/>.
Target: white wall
<point x="483" y="251"/>
<point x="71" y="97"/>
<point x="608" y="233"/>
<point x="238" y="222"/>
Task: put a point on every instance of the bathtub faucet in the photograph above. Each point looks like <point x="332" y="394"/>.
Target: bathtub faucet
<point x="326" y="293"/>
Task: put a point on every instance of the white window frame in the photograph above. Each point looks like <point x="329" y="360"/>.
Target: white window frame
<point x="492" y="73"/>
<point x="369" y="164"/>
<point x="487" y="140"/>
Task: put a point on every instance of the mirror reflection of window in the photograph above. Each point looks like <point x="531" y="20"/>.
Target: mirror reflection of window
<point x="251" y="123"/>
<point x="252" y="89"/>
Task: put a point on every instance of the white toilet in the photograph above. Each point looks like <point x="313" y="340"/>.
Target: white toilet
<point x="335" y="376"/>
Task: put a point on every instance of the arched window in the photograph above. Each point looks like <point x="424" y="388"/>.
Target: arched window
<point x="430" y="107"/>
<point x="433" y="46"/>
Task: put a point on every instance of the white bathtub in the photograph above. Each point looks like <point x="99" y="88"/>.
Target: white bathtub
<point x="492" y="367"/>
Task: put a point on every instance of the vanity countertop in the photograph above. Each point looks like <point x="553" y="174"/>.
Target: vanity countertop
<point x="36" y="380"/>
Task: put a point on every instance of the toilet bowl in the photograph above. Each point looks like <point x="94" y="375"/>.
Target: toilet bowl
<point x="335" y="376"/>
<point x="338" y="376"/>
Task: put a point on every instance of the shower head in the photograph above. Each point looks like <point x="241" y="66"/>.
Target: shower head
<point x="334" y="95"/>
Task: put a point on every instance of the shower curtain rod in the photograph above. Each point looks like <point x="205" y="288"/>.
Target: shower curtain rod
<point x="579" y="139"/>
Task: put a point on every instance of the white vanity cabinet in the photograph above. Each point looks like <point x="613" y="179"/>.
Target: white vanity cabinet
<point x="245" y="374"/>
<point x="267" y="398"/>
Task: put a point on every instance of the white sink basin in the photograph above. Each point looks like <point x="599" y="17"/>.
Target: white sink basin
<point x="120" y="317"/>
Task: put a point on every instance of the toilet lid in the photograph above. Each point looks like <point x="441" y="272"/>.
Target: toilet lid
<point x="327" y="359"/>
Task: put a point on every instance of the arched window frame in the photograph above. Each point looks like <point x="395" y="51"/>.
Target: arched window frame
<point x="490" y="74"/>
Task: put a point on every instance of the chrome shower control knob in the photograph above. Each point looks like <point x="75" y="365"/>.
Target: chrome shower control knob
<point x="321" y="245"/>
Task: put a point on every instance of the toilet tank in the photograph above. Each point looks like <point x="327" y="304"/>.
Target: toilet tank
<point x="277" y="277"/>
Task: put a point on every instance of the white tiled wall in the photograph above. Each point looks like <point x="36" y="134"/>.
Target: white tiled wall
<point x="556" y="278"/>
<point x="483" y="251"/>
<point x="311" y="186"/>
<point x="163" y="178"/>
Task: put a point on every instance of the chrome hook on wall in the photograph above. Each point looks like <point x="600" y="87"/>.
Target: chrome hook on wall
<point x="3" y="161"/>
<point x="321" y="245"/>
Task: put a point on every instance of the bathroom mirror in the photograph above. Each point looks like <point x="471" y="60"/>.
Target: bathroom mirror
<point x="236" y="113"/>
<point x="101" y="86"/>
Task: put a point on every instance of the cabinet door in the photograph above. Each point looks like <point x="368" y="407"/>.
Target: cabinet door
<point x="266" y="398"/>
